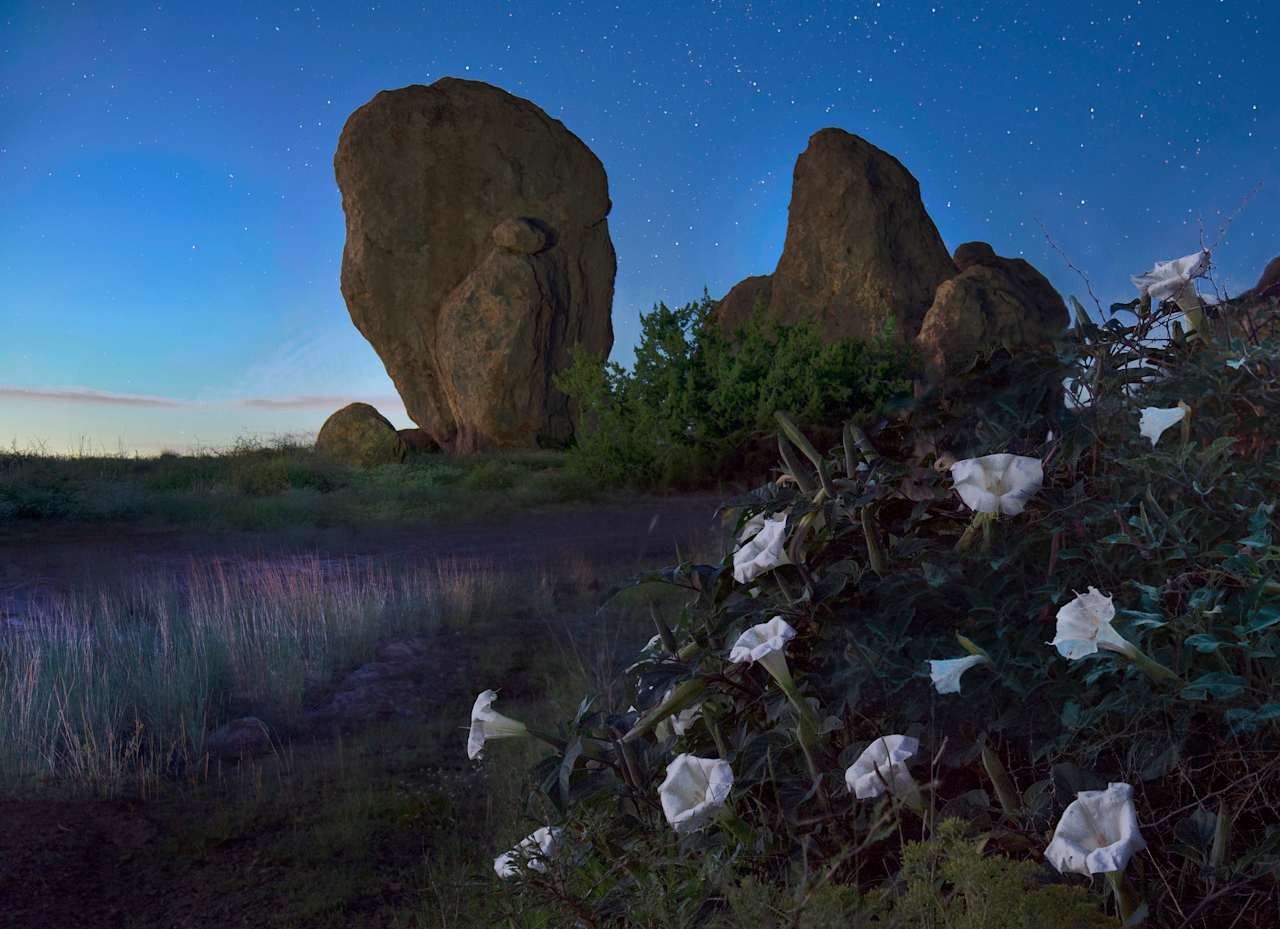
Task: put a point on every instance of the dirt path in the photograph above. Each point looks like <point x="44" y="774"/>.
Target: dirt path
<point x="60" y="560"/>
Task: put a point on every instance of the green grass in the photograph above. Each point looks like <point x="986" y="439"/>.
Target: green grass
<point x="389" y="825"/>
<point x="257" y="486"/>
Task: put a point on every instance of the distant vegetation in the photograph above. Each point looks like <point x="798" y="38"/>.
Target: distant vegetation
<point x="696" y="404"/>
<point x="269" y="486"/>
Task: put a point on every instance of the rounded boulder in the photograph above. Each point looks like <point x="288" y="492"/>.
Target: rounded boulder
<point x="359" y="436"/>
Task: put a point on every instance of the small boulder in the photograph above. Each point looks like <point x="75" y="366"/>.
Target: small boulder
<point x="241" y="738"/>
<point x="994" y="302"/>
<point x="392" y="685"/>
<point x="519" y="236"/>
<point x="360" y="437"/>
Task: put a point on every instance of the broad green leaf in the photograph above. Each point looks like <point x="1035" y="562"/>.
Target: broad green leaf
<point x="1216" y="684"/>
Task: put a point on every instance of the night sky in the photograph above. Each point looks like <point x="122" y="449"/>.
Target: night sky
<point x="171" y="233"/>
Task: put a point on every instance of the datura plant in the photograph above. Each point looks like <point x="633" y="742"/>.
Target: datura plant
<point x="1123" y="589"/>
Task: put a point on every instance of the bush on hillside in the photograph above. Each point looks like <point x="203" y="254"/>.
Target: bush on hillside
<point x="880" y="567"/>
<point x="694" y="395"/>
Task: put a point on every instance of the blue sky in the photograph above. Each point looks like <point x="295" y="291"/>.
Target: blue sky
<point x="171" y="232"/>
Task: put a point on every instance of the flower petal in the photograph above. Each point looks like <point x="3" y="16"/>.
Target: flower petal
<point x="763" y="551"/>
<point x="761" y="640"/>
<point x="1098" y="832"/>
<point x="882" y="765"/>
<point x="693" y="790"/>
<point x="945" y="673"/>
<point x="1155" y="420"/>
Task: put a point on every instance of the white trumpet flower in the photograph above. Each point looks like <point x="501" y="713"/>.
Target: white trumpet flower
<point x="1156" y="420"/>
<point x="1000" y="483"/>
<point x="883" y="766"/>
<point x="945" y="674"/>
<point x="694" y="790"/>
<point x="1084" y="626"/>
<point x="766" y="644"/>
<point x="1098" y="832"/>
<point x="1168" y="279"/>
<point x="544" y="843"/>
<point x="487" y="723"/>
<point x="762" y="547"/>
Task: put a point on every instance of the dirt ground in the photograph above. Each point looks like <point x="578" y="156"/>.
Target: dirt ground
<point x="38" y="561"/>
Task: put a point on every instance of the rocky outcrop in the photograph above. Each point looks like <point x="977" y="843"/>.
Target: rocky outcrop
<point x="736" y="307"/>
<point x="860" y="249"/>
<point x="477" y="255"/>
<point x="360" y="437"/>
<point x="993" y="302"/>
<point x="1268" y="285"/>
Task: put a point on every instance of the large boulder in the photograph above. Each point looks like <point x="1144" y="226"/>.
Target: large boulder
<point x="360" y="437"/>
<point x="477" y="255"/>
<point x="860" y="250"/>
<point x="993" y="302"/>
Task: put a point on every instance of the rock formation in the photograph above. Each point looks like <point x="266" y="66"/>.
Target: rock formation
<point x="1268" y="285"/>
<point x="860" y="248"/>
<point x="360" y="437"/>
<point x="992" y="302"/>
<point x="861" y="253"/>
<point x="417" y="440"/>
<point x="477" y="255"/>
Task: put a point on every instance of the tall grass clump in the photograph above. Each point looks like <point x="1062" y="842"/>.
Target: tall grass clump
<point x="993" y="660"/>
<point x="110" y="694"/>
<point x="695" y="397"/>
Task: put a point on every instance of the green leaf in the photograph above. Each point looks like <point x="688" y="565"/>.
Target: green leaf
<point x="1216" y="684"/>
<point x="1204" y="643"/>
<point x="1160" y="764"/>
<point x="1244" y="721"/>
<point x="571" y="755"/>
<point x="1144" y="620"/>
<point x="1263" y="618"/>
<point x="1150" y="595"/>
<point x="934" y="575"/>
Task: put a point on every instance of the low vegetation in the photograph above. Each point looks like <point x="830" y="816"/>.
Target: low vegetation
<point x="284" y="484"/>
<point x="796" y="746"/>
<point x="105" y="701"/>
<point x="697" y="403"/>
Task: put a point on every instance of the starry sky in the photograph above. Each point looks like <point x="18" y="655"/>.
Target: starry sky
<point x="171" y="233"/>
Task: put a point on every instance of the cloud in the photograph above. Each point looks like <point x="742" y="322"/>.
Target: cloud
<point x="85" y="395"/>
<point x="329" y="402"/>
<point x="317" y="402"/>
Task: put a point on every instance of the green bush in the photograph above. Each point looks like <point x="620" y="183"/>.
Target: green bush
<point x="886" y="570"/>
<point x="693" y="396"/>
